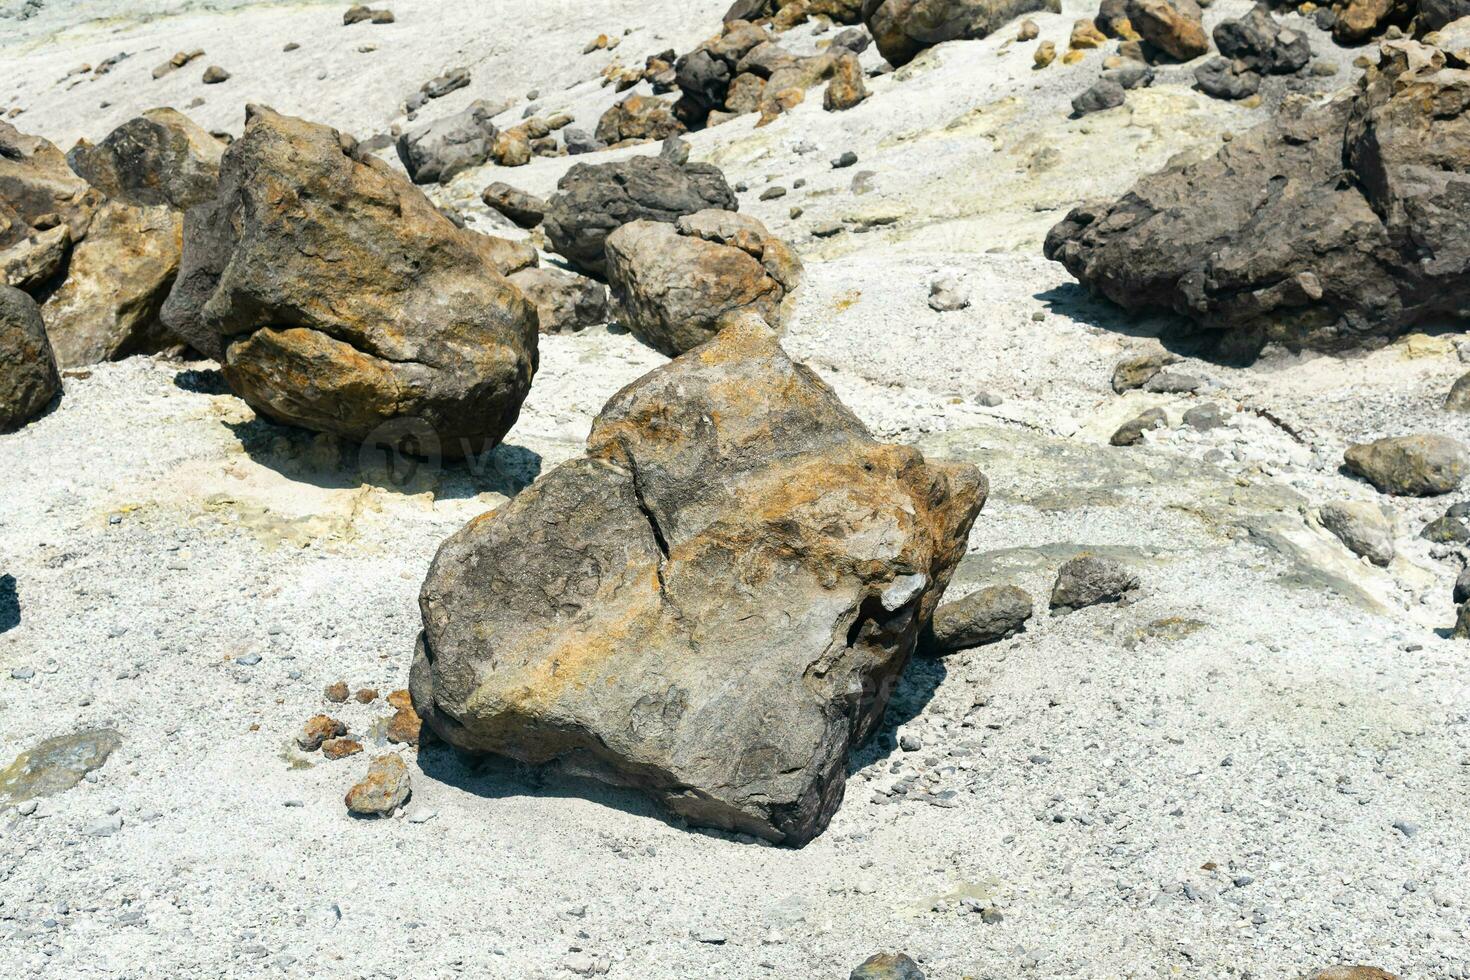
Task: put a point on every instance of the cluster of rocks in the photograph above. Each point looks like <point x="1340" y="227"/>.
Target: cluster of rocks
<point x="1313" y="230"/>
<point x="438" y="150"/>
<point x="360" y="13"/>
<point x="1356" y="21"/>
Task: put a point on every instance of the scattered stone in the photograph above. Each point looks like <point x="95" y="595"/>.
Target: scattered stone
<point x="340" y="748"/>
<point x="903" y="28"/>
<point x="1173" y="383"/>
<point x="1088" y="580"/>
<point x="772" y="193"/>
<point x="1175" y="27"/>
<point x="317" y="730"/>
<point x="1137" y="370"/>
<point x="336" y="693"/>
<point x="1458" y="400"/>
<point x="1206" y="417"/>
<point x="105" y="827"/>
<point x="441" y="85"/>
<point x="55" y="765"/>
<point x="360" y="322"/>
<point x="887" y="966"/>
<point x="511" y="148"/>
<point x="1130" y="75"/>
<point x="404" y="727"/>
<point x="382" y="791"/>
<point x="1261" y="44"/>
<point x="1462" y="586"/>
<point x="846" y="88"/>
<point x="1086" y="36"/>
<point x="1411" y="466"/>
<point x="947" y="294"/>
<point x="1130" y="433"/>
<point x="846" y="159"/>
<point x="400" y="699"/>
<point x="29" y="380"/>
<point x="593" y="200"/>
<point x="1363" y="528"/>
<point x="676" y="285"/>
<point x="1046" y="53"/>
<point x="179" y="60"/>
<point x="1104" y="94"/>
<point x="853" y="39"/>
<point x="1221" y="78"/>
<point x="214" y="74"/>
<point x="987" y="616"/>
<point x="565" y="302"/>
<point x="524" y="210"/>
<point x="436" y="151"/>
<point x="1452" y="528"/>
<point x="638" y="118"/>
<point x="723" y="493"/>
<point x="1028" y="31"/>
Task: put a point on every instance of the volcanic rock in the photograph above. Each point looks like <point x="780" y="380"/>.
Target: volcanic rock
<point x="28" y="376"/>
<point x="903" y="28"/>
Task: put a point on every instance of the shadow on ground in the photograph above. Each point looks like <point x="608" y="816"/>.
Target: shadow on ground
<point x="9" y="604"/>
<point x="1176" y="333"/>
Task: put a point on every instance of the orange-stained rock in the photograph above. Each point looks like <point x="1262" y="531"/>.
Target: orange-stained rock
<point x="366" y="695"/>
<point x="317" y="730"/>
<point x="400" y="699"/>
<point x="340" y="748"/>
<point x="383" y="790"/>
<point x="1174" y="26"/>
<point x="846" y="89"/>
<point x="712" y="605"/>
<point x="403" y="728"/>
<point x="336" y="693"/>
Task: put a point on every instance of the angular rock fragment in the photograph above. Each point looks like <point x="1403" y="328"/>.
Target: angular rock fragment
<point x="1088" y="580"/>
<point x="38" y="191"/>
<point x="887" y="966"/>
<point x="1103" y="94"/>
<point x="160" y="157"/>
<point x="676" y="285"/>
<point x="638" y="119"/>
<point x="1462" y="586"/>
<point x="710" y="606"/>
<point x="1458" y="400"/>
<point x="593" y="200"/>
<point x="903" y="28"/>
<point x="1411" y="466"/>
<point x="1222" y="78"/>
<point x="987" y="616"/>
<point x="28" y="375"/>
<point x="33" y="262"/>
<point x="1175" y="27"/>
<point x="1273" y="241"/>
<point x="214" y="75"/>
<point x="524" y="210"/>
<point x="344" y="299"/>
<point x="846" y="89"/>
<point x="382" y="791"/>
<point x="1130" y="433"/>
<point x="317" y="730"/>
<point x="55" y="765"/>
<point x="1261" y="44"/>
<point x="437" y="150"/>
<point x="1363" y="528"/>
<point x="565" y="302"/>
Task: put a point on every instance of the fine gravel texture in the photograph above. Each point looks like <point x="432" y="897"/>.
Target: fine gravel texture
<point x="1258" y="766"/>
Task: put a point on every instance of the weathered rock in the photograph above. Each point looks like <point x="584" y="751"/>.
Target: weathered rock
<point x="1175" y="27"/>
<point x="404" y="727"/>
<point x="1205" y="417"/>
<point x="1411" y="466"/>
<point x="1353" y="973"/>
<point x="38" y="191"/>
<point x="887" y="966"/>
<point x="1221" y="78"/>
<point x="340" y="748"/>
<point x="853" y="39"/>
<point x="565" y="302"/>
<point x="837" y="11"/>
<point x="511" y="148"/>
<point x="337" y="693"/>
<point x="382" y="791"/>
<point x="437" y="150"/>
<point x="1462" y="586"/>
<point x="1137" y="370"/>
<point x="1085" y="35"/>
<point x="318" y="729"/>
<point x="640" y="118"/>
<point x="1271" y="242"/>
<point x="28" y="376"/>
<point x="179" y="60"/>
<point x="1261" y="44"/>
<point x="1103" y="94"/>
<point x="1088" y="580"/>
<point x="214" y="74"/>
<point x="1458" y="400"/>
<point x="711" y="606"/>
<point x="1130" y="75"/>
<point x="1461" y="630"/>
<point x="33" y="262"/>
<point x="525" y="210"/>
<point x="948" y="295"/>
<point x="1130" y="433"/>
<point x="1045" y="54"/>
<point x="987" y="616"/>
<point x="1451" y="528"/>
<point x="1362" y="527"/>
<point x="903" y="28"/>
<point x="846" y="89"/>
<point x="347" y="300"/>
<point x="593" y="200"/>
<point x="1357" y="20"/>
<point x="55" y="765"/>
<point x="116" y="283"/>
<point x="160" y="157"/>
<point x="676" y="285"/>
<point x="441" y="85"/>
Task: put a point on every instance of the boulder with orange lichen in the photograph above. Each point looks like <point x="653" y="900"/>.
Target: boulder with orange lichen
<point x="711" y="606"/>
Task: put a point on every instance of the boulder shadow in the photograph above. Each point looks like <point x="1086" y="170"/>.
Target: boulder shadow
<point x="1177" y="333"/>
<point x="916" y="687"/>
<point x="9" y="604"/>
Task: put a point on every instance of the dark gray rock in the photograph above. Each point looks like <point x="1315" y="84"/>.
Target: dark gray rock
<point x="1130" y="433"/>
<point x="28" y="376"/>
<point x="160" y="157"/>
<point x="710" y="606"/>
<point x="1462" y="585"/>
<point x="579" y="141"/>
<point x="1261" y="44"/>
<point x="565" y="302"/>
<point x="1131" y="75"/>
<point x="1458" y="400"/>
<point x="524" y="210"/>
<point x="1205" y="417"/>
<point x="437" y="150"/>
<point x="853" y="39"/>
<point x="1104" y="94"/>
<point x="987" y="616"/>
<point x="1089" y="580"/>
<point x="1222" y="78"/>
<point x="903" y="28"/>
<point x="1453" y="527"/>
<point x="441" y="85"/>
<point x="593" y="200"/>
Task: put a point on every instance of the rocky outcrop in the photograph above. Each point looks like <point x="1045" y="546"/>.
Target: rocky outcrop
<point x="638" y="119"/>
<point x="593" y="200"/>
<point x="344" y="299"/>
<point x="28" y="376"/>
<point x="903" y="28"/>
<point x="711" y="606"/>
<point x="677" y="284"/>
<point x="159" y="158"/>
<point x="1271" y="240"/>
<point x="437" y="150"/>
<point x="565" y="302"/>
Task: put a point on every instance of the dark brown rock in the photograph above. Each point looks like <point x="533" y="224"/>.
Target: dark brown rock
<point x="28" y="376"/>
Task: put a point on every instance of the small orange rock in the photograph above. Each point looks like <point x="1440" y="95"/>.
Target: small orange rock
<point x="340" y="748"/>
<point x="366" y="695"/>
<point x="400" y="699"/>
<point x="404" y="728"/>
<point x="317" y="730"/>
<point x="336" y="693"/>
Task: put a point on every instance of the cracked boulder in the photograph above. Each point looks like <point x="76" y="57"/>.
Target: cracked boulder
<point x="711" y="606"/>
<point x="595" y="199"/>
<point x="1330" y="227"/>
<point x="161" y="157"/>
<point x="28" y="376"/>
<point x="44" y="209"/>
<point x="677" y="284"/>
<point x="903" y="28"/>
<point x="336" y="296"/>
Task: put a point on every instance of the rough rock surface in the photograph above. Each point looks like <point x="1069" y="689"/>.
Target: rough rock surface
<point x="593" y="200"/>
<point x="676" y="285"/>
<point x="336" y="297"/>
<point x="635" y="594"/>
<point x="1268" y="242"/>
<point x="437" y="150"/>
<point x="564" y="301"/>
<point x="887" y="966"/>
<point x="1130" y="433"/>
<point x="1412" y="466"/>
<point x="1262" y="44"/>
<point x="383" y="790"/>
<point x="638" y="119"/>
<point x="1088" y="580"/>
<point x="986" y="616"/>
<point x="116" y="283"/>
<point x="525" y="210"/>
<point x="903" y="28"/>
<point x="160" y="157"/>
<point x="1175" y="27"/>
<point x="38" y="190"/>
<point x="28" y="376"/>
<point x="1362" y="527"/>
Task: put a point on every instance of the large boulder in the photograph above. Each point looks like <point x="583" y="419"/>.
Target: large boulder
<point x="1261" y="44"/>
<point x="595" y="199"/>
<point x="677" y="285"/>
<point x="34" y="261"/>
<point x="565" y="302"/>
<point x="28" y="376"/>
<point x="1330" y="227"/>
<point x="903" y="28"/>
<point x="161" y="157"/>
<point x="38" y="191"/>
<point x="116" y="283"/>
<point x="441" y="148"/>
<point x="338" y="298"/>
<point x="1412" y="466"/>
<point x="711" y="606"/>
<point x="1175" y="27"/>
